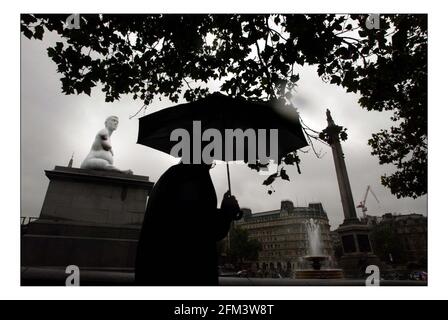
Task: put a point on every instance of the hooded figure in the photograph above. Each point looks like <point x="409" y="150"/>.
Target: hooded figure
<point x="181" y="227"/>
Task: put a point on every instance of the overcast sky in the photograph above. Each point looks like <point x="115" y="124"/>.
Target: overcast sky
<point x="54" y="125"/>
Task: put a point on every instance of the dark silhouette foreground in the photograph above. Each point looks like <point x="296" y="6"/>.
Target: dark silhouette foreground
<point x="181" y="227"/>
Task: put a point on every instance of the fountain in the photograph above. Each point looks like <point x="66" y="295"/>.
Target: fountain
<point x="316" y="256"/>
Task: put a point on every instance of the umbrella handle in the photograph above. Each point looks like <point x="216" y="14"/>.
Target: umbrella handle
<point x="239" y="215"/>
<point x="228" y="178"/>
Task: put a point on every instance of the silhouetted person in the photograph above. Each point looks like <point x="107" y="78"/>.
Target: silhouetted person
<point x="181" y="227"/>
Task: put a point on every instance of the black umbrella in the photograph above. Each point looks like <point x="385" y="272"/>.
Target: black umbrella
<point x="221" y="112"/>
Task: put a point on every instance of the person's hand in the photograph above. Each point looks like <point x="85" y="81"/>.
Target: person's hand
<point x="230" y="206"/>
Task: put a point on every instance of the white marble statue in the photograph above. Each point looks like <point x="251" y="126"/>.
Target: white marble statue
<point x="101" y="155"/>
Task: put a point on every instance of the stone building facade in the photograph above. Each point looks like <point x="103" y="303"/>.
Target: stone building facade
<point x="412" y="232"/>
<point x="283" y="235"/>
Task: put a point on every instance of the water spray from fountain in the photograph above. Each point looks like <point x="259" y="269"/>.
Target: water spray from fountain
<point x="314" y="238"/>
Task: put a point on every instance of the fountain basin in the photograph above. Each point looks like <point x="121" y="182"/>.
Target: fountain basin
<point x="317" y="272"/>
<point x="316" y="260"/>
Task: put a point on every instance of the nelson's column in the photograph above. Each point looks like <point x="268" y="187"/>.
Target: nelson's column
<point x="356" y="246"/>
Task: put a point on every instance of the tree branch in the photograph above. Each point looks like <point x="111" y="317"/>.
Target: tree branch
<point x="187" y="83"/>
<point x="336" y="34"/>
<point x="357" y="49"/>
<point x="279" y="34"/>
<point x="266" y="71"/>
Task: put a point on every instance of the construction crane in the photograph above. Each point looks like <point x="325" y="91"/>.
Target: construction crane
<point x="362" y="204"/>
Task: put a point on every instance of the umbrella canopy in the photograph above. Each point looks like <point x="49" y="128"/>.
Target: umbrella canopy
<point x="221" y="112"/>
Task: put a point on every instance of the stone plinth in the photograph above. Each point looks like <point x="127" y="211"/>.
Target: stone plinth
<point x="93" y="196"/>
<point x="89" y="218"/>
<point x="357" y="251"/>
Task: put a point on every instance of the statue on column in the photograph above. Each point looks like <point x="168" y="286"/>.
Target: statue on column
<point x="101" y="155"/>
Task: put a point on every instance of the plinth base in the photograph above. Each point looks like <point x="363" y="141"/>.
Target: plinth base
<point x="354" y="265"/>
<point x="54" y="244"/>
